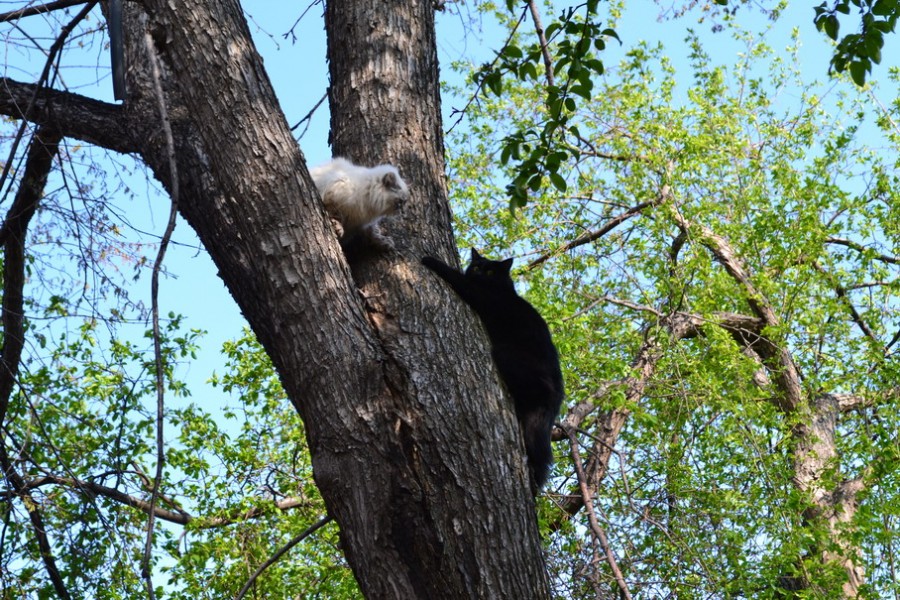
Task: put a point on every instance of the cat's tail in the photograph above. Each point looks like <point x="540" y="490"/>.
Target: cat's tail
<point x="536" y="428"/>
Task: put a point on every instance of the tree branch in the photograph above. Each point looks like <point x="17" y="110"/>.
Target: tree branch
<point x="777" y="359"/>
<point x="154" y="299"/>
<point x="545" y="51"/>
<point x="590" y="236"/>
<point x="587" y="494"/>
<point x="841" y="293"/>
<point x="893" y="260"/>
<point x="309" y="531"/>
<point x="42" y="80"/>
<point x="178" y="516"/>
<point x="29" y="11"/>
<point x="38" y="164"/>
<point x="72" y="115"/>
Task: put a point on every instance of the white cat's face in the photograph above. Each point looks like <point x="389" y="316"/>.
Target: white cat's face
<point x="393" y="193"/>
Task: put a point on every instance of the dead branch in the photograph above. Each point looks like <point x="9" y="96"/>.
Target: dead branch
<point x="177" y="516"/>
<point x="154" y="298"/>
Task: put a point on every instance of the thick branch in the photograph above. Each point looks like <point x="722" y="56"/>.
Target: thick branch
<point x="777" y="359"/>
<point x="43" y="149"/>
<point x="73" y="115"/>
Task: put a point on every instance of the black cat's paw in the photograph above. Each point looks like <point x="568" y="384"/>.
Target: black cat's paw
<point x="430" y="262"/>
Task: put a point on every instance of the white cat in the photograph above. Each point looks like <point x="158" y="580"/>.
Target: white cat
<point x="359" y="197"/>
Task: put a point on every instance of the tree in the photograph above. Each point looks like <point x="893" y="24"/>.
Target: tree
<point x="720" y="278"/>
<point x="393" y="435"/>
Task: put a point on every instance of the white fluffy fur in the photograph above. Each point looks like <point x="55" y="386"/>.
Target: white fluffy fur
<point x="359" y="197"/>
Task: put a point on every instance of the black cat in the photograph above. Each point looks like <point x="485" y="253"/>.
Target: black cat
<point x="522" y="349"/>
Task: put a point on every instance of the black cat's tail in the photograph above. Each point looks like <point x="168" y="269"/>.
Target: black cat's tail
<point x="536" y="428"/>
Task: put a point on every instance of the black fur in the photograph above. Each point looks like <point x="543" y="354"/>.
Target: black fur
<point x="522" y="349"/>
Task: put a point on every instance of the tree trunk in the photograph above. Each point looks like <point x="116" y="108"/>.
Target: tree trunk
<point x="414" y="445"/>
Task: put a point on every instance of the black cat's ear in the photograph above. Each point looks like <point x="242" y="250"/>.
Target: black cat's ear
<point x="475" y="254"/>
<point x="506" y="265"/>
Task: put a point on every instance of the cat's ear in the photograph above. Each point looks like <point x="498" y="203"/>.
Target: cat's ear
<point x="506" y="265"/>
<point x="390" y="181"/>
<point x="475" y="254"/>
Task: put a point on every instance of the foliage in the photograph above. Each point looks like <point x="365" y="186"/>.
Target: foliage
<point x="700" y="499"/>
<point x="857" y="52"/>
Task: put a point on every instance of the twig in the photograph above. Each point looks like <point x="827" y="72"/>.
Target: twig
<point x="462" y="111"/>
<point x="29" y="11"/>
<point x="586" y="495"/>
<point x="309" y="115"/>
<point x="154" y="293"/>
<point x="177" y="516"/>
<point x="841" y="293"/>
<point x="590" y="236"/>
<point x="309" y="531"/>
<point x="545" y="51"/>
<point x="51" y="56"/>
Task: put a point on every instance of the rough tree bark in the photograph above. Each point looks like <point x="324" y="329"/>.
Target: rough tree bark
<point x="414" y="445"/>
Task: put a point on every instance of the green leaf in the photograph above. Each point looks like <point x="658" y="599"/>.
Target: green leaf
<point x="558" y="181"/>
<point x="831" y="26"/>
<point x="858" y="70"/>
<point x="611" y="33"/>
<point x="512" y="51"/>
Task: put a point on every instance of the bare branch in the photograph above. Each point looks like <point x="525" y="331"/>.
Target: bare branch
<point x="29" y="11"/>
<point x="178" y="516"/>
<point x="462" y="111"/>
<point x="44" y="147"/>
<point x="893" y="260"/>
<point x="590" y="236"/>
<point x="587" y="495"/>
<point x="75" y="116"/>
<point x="309" y="531"/>
<point x="42" y="80"/>
<point x="308" y="117"/>
<point x="154" y="298"/>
